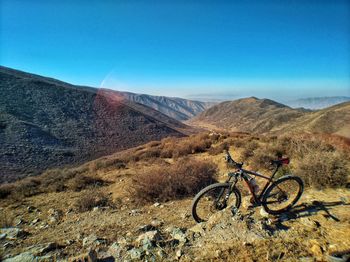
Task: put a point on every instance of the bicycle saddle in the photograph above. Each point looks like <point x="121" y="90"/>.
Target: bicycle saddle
<point x="281" y="161"/>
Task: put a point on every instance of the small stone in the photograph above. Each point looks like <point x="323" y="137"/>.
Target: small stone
<point x="156" y="223"/>
<point x="31" y="209"/>
<point x="198" y="228"/>
<point x="156" y="204"/>
<point x="178" y="234"/>
<point x="23" y="257"/>
<point x="115" y="249"/>
<point x="161" y="253"/>
<point x="18" y="221"/>
<point x="263" y="213"/>
<point x="68" y="242"/>
<point x="43" y="226"/>
<point x="95" y="209"/>
<point x="147" y="245"/>
<point x="89" y="240"/>
<point x="12" y="232"/>
<point x="52" y="220"/>
<point x="150" y="235"/>
<point x="146" y="228"/>
<point x="178" y="253"/>
<point x="2" y="236"/>
<point x="7" y="244"/>
<point x="35" y="221"/>
<point x="42" y="249"/>
<point x="135" y="212"/>
<point x="135" y="253"/>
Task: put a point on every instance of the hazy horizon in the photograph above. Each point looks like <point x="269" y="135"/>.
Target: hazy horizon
<point x="192" y="49"/>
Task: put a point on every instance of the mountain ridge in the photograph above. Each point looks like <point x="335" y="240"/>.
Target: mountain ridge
<point x="46" y="124"/>
<point x="263" y="116"/>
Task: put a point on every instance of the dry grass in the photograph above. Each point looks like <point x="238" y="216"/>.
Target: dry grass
<point x="80" y="182"/>
<point x="323" y="169"/>
<point x="218" y="149"/>
<point x="320" y="160"/>
<point x="55" y="180"/>
<point x="92" y="199"/>
<point x="6" y="220"/>
<point x="184" y="178"/>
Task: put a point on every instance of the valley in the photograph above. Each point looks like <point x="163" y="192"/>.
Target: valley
<point x="103" y="176"/>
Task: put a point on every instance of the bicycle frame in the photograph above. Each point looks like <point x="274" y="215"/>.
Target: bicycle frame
<point x="243" y="174"/>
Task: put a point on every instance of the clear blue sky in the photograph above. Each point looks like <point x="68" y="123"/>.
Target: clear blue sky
<point x="198" y="49"/>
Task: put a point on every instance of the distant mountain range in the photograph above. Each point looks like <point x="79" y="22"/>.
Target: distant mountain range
<point x="317" y="102"/>
<point x="178" y="108"/>
<point x="262" y="116"/>
<point x="48" y="123"/>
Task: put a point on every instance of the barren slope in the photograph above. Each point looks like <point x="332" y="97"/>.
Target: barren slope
<point x="46" y="123"/>
<point x="262" y="116"/>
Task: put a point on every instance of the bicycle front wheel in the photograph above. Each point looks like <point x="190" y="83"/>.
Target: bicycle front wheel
<point x="212" y="199"/>
<point x="282" y="194"/>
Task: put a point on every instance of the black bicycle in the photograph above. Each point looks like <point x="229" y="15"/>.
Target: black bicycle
<point x="277" y="196"/>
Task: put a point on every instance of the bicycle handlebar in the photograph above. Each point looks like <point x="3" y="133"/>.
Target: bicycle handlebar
<point x="230" y="160"/>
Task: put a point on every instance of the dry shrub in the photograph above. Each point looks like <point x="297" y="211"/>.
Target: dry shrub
<point x="153" y="144"/>
<point x="323" y="169"/>
<point x="6" y="190"/>
<point x="6" y="220"/>
<point x="249" y="149"/>
<point x="150" y="153"/>
<point x="54" y="180"/>
<point x="261" y="160"/>
<point x="218" y="149"/>
<point x="109" y="163"/>
<point x="80" y="182"/>
<point x="237" y="143"/>
<point x="90" y="200"/>
<point x="27" y="187"/>
<point x="184" y="178"/>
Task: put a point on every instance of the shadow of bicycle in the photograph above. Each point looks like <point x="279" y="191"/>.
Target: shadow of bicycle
<point x="309" y="209"/>
<point x="304" y="210"/>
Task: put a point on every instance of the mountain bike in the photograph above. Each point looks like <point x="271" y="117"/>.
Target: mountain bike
<point x="277" y="195"/>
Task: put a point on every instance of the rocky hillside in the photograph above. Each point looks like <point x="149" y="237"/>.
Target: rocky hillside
<point x="317" y="102"/>
<point x="104" y="221"/>
<point x="47" y="123"/>
<point x="177" y="108"/>
<point x="261" y="116"/>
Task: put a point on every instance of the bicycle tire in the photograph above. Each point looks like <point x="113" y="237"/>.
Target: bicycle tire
<point x="221" y="187"/>
<point x="276" y="185"/>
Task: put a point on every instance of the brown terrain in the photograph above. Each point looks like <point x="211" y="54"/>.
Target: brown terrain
<point x="98" y="210"/>
<point x="47" y="123"/>
<point x="262" y="116"/>
<point x="114" y="179"/>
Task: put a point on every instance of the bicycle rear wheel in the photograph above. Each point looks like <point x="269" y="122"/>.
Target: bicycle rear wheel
<point x="212" y="199"/>
<point x="282" y="194"/>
